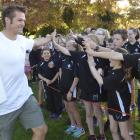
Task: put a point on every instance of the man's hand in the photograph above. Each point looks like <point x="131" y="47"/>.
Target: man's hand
<point x="42" y="41"/>
<point x="53" y="34"/>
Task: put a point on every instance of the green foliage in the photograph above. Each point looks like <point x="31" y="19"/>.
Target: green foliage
<point x="49" y="29"/>
<point x="133" y="14"/>
<point x="107" y="20"/>
<point x="28" y="33"/>
<point x="56" y="127"/>
<point x="68" y="15"/>
<point x="44" y="31"/>
<point x="79" y="14"/>
<point x="1" y="25"/>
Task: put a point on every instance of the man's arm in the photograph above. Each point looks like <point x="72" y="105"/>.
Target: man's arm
<point x="41" y="41"/>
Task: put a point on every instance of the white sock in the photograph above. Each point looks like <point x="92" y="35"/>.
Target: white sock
<point x="73" y="126"/>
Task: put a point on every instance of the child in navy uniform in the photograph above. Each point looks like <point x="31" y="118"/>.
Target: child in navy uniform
<point x="132" y="45"/>
<point x="68" y="85"/>
<point x="89" y="87"/>
<point x="119" y="97"/>
<point x="49" y="73"/>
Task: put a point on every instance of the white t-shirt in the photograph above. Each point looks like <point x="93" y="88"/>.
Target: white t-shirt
<point x="15" y="83"/>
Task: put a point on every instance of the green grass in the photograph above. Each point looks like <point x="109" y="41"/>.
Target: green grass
<point x="56" y="127"/>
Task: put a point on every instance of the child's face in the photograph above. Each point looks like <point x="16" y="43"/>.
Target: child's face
<point x="118" y="41"/>
<point x="46" y="55"/>
<point x="89" y="42"/>
<point x="131" y="35"/>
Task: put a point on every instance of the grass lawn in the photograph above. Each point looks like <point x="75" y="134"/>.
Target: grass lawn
<point x="56" y="127"/>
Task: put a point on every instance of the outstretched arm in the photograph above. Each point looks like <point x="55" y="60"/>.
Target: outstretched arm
<point x="103" y="49"/>
<point x="41" y="41"/>
<point x="62" y="49"/>
<point x="106" y="55"/>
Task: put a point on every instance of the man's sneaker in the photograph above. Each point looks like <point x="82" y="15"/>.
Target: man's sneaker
<point x="92" y="137"/>
<point x="78" y="132"/>
<point x="101" y="137"/>
<point x="70" y="129"/>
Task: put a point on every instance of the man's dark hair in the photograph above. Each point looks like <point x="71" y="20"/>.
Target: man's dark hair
<point x="10" y="12"/>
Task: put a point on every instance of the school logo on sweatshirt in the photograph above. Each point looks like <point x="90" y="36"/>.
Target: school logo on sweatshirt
<point x="136" y="50"/>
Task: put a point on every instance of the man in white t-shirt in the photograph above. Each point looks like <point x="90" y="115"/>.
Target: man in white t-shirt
<point x="17" y="100"/>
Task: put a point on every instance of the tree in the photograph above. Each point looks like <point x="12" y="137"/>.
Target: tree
<point x="105" y="14"/>
<point x="134" y="13"/>
<point x="77" y="14"/>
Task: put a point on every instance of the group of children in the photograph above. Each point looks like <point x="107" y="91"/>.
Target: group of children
<point x="70" y="63"/>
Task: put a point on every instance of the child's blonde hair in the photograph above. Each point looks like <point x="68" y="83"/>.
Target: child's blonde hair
<point x="94" y="38"/>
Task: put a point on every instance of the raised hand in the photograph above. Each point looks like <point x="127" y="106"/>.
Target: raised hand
<point x="53" y="34"/>
<point x="48" y="37"/>
<point x="71" y="34"/>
